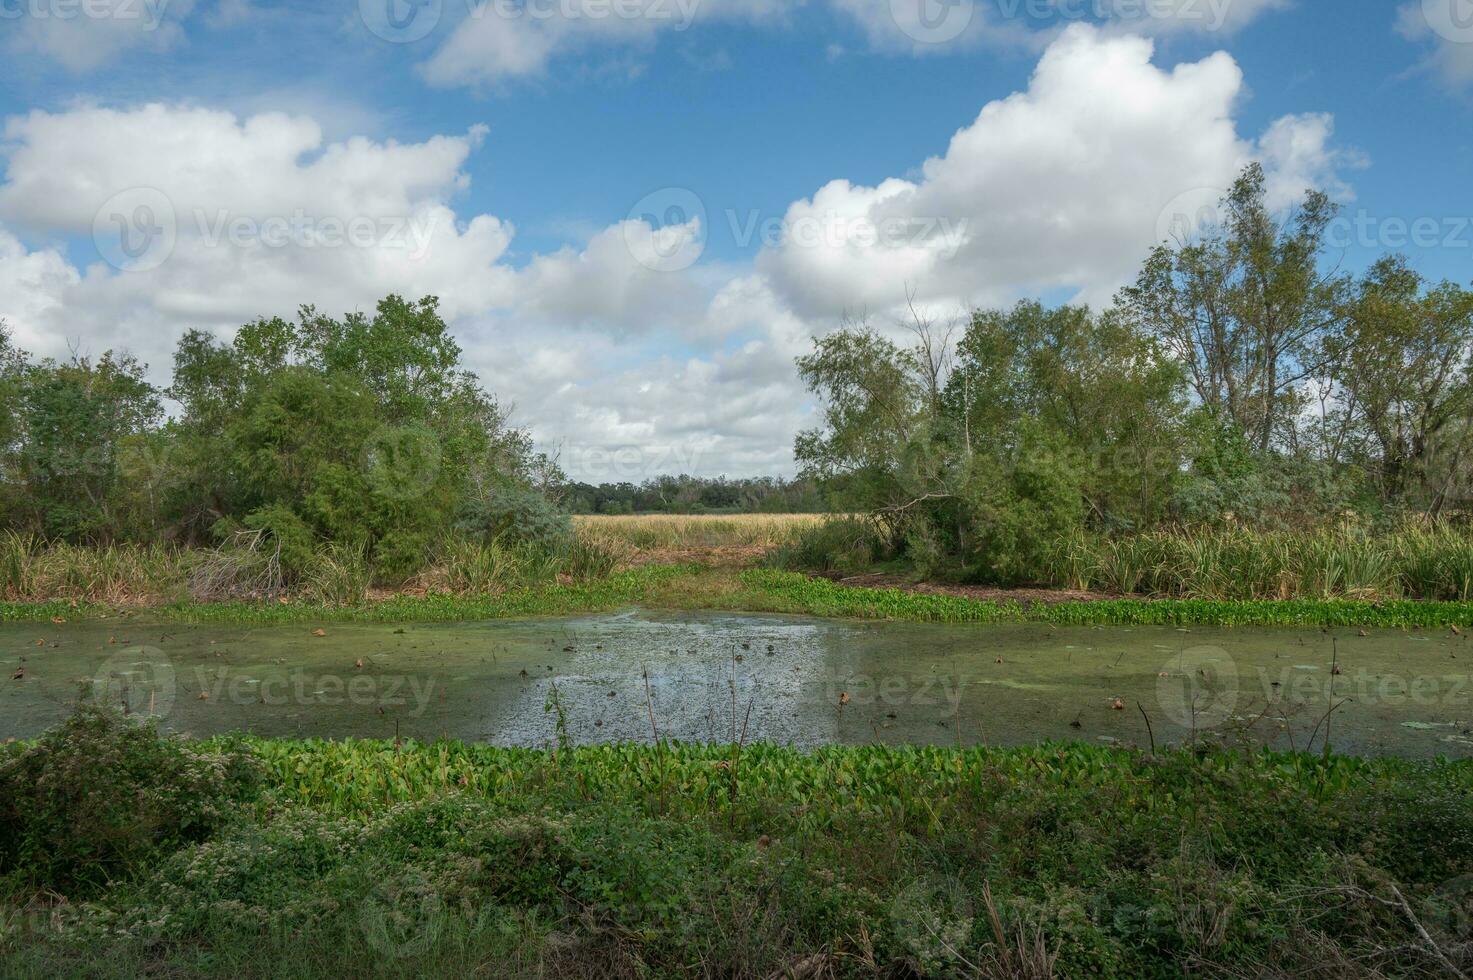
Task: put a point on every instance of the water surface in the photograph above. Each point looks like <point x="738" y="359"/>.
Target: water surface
<point x="724" y="677"/>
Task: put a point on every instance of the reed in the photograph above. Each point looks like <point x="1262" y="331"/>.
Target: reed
<point x="1239" y="564"/>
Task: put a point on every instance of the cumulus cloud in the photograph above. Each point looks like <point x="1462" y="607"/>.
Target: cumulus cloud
<point x="619" y="408"/>
<point x="84" y="36"/>
<point x="1057" y="187"/>
<point x="229" y="218"/>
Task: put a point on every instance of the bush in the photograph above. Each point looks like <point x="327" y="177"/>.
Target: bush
<point x="99" y="794"/>
<point x="287" y="536"/>
<point x="1020" y="511"/>
<point x="840" y="544"/>
<point x="516" y="516"/>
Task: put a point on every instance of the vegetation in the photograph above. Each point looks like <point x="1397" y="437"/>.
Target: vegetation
<point x="660" y="534"/>
<point x="303" y="453"/>
<point x="763" y="590"/>
<point x="694" y="495"/>
<point x="1235" y="386"/>
<point x="1239" y="425"/>
<point x="374" y="858"/>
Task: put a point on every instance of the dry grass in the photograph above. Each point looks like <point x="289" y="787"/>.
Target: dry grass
<point x="713" y="539"/>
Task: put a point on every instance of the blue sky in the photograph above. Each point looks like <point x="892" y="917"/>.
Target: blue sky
<point x="583" y="174"/>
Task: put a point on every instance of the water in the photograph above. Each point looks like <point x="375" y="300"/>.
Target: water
<point x="723" y="677"/>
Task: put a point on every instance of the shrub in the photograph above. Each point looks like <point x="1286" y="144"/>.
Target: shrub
<point x="840" y="544"/>
<point x="515" y="516"/>
<point x="99" y="794"/>
<point x="287" y="536"/>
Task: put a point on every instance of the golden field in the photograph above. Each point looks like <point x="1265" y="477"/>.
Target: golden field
<point x="709" y="538"/>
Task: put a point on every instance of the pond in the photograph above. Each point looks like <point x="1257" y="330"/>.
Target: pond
<point x="725" y="677"/>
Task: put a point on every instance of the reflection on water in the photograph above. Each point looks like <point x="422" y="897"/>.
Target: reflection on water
<point x="723" y="677"/>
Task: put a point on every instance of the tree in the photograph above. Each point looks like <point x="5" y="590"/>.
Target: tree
<point x="1104" y="389"/>
<point x="74" y="419"/>
<point x="1401" y="357"/>
<point x="1245" y="310"/>
<point x="368" y="429"/>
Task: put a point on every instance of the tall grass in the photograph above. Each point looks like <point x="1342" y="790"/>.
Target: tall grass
<point x="120" y="573"/>
<point x="1415" y="563"/>
<point x="248" y="570"/>
<point x="684" y="533"/>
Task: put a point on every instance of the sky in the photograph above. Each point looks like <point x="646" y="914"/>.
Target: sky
<point x="638" y="213"/>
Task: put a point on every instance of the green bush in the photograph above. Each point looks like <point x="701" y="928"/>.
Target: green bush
<point x="99" y="794"/>
<point x="288" y="536"/>
<point x="515" y="516"/>
<point x="1017" y="513"/>
<point x="840" y="544"/>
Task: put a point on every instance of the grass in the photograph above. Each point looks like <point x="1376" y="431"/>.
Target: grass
<point x="383" y="859"/>
<point x="655" y="533"/>
<point x="762" y="590"/>
<point x="1417" y="562"/>
<point x="1230" y="578"/>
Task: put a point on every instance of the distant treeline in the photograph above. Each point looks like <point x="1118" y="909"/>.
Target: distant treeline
<point x="695" y="495"/>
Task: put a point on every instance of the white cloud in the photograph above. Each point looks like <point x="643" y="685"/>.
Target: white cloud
<point x="84" y="36"/>
<point x="1058" y="187"/>
<point x="623" y="409"/>
<point x="1159" y="17"/>
<point x="263" y="215"/>
<point x="498" y="41"/>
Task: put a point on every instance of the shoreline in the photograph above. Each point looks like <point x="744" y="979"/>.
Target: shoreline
<point x="757" y="590"/>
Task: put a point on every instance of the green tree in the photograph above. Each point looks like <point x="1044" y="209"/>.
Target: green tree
<point x="368" y="429"/>
<point x="1245" y="310"/>
<point x="1401" y="359"/>
<point x="73" y="420"/>
<point x="1104" y="389"/>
